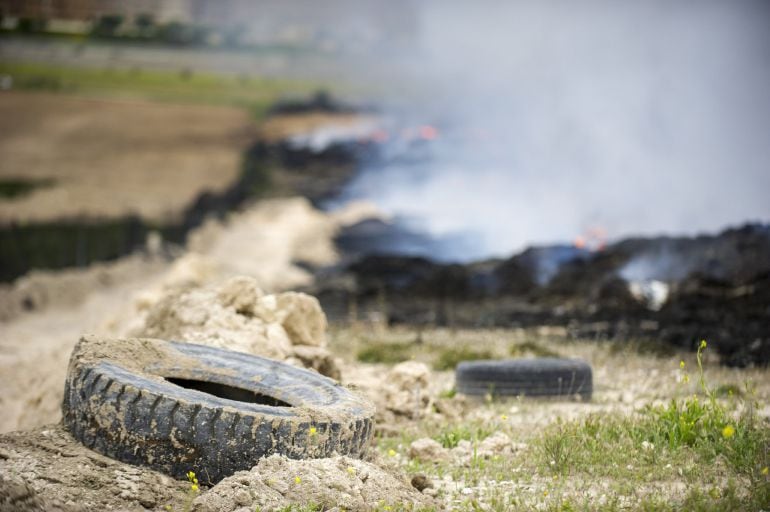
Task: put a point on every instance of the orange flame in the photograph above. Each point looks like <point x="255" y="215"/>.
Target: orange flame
<point x="428" y="132"/>
<point x="380" y="136"/>
<point x="593" y="239"/>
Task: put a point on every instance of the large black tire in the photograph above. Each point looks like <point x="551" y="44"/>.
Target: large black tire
<point x="179" y="407"/>
<point x="526" y="377"/>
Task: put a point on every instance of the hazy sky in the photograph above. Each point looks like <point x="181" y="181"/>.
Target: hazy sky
<point x="639" y="117"/>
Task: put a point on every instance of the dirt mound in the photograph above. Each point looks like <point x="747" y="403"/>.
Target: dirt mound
<point x="238" y="315"/>
<point x="336" y="483"/>
<point x="46" y="469"/>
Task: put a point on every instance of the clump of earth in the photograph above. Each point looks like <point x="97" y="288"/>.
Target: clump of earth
<point x="47" y="469"/>
<point x="238" y="315"/>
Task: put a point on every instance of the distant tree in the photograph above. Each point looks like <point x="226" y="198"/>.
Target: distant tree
<point x="145" y="22"/>
<point x="30" y="25"/>
<point x="107" y="25"/>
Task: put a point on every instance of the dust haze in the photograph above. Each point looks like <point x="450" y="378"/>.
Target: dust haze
<point x="556" y="118"/>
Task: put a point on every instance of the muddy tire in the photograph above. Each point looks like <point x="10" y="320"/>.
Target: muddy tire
<point x="526" y="377"/>
<point x="178" y="407"/>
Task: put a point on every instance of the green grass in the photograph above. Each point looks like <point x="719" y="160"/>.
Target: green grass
<point x="386" y="352"/>
<point x="177" y="86"/>
<point x="13" y="188"/>
<point x="443" y="358"/>
<point x="451" y="436"/>
<point x="449" y="358"/>
<point x="697" y="452"/>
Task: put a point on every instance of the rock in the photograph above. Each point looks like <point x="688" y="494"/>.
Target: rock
<point x="405" y="389"/>
<point x="428" y="450"/>
<point x="196" y="315"/>
<point x="237" y="315"/>
<point x="240" y="293"/>
<point x="496" y="444"/>
<point x="278" y="482"/>
<point x="409" y="375"/>
<point x="421" y="482"/>
<point x="303" y="319"/>
<point x="318" y="359"/>
<point x="463" y="450"/>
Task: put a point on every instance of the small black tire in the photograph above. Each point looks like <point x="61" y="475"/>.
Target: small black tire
<point x="545" y="376"/>
<point x="146" y="402"/>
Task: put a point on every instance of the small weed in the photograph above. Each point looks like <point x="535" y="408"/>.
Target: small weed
<point x="558" y="449"/>
<point x="728" y="390"/>
<point x="388" y="353"/>
<point x="451" y="437"/>
<point x="309" y="507"/>
<point x="448" y="393"/>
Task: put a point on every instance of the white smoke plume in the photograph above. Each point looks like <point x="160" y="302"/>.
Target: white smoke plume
<point x="642" y="118"/>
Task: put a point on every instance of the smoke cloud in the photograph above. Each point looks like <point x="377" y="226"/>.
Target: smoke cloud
<point x="641" y="118"/>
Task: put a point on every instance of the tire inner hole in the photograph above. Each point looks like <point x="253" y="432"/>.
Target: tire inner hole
<point x="228" y="392"/>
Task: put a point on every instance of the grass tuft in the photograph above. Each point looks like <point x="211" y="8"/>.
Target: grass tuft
<point x="388" y="353"/>
<point x="449" y="358"/>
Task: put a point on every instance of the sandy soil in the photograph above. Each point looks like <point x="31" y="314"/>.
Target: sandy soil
<point x="113" y="158"/>
<point x="112" y="299"/>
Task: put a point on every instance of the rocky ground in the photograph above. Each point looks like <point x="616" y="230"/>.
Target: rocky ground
<point x="197" y="298"/>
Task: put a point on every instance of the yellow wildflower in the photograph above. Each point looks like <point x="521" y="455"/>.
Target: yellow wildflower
<point x="297" y="480"/>
<point x="703" y="344"/>
<point x="313" y="431"/>
<point x="681" y="365"/>
<point x="194" y="487"/>
<point x="391" y="452"/>
<point x="728" y="432"/>
<point x="504" y="417"/>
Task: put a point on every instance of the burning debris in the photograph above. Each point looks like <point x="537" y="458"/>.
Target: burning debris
<point x="674" y="290"/>
<point x="652" y="294"/>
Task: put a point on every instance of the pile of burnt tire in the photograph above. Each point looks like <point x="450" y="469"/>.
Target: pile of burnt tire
<point x="674" y="290"/>
<point x="178" y="406"/>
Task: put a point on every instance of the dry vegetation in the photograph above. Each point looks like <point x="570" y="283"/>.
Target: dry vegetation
<point x="654" y="437"/>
